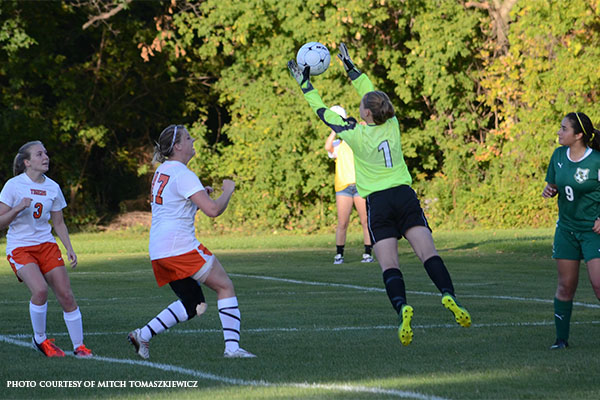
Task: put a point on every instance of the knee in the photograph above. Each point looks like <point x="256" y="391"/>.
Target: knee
<point x="565" y="291"/>
<point x="596" y="288"/>
<point x="66" y="299"/>
<point x="227" y="285"/>
<point x="225" y="288"/>
<point x="363" y="220"/>
<point x="342" y="225"/>
<point x="39" y="295"/>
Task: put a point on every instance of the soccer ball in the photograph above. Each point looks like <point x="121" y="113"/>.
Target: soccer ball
<point x="315" y="55"/>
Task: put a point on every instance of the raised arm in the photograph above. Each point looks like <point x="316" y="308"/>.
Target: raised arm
<point x="360" y="81"/>
<point x="332" y="119"/>
<point x="210" y="207"/>
<point x="329" y="142"/>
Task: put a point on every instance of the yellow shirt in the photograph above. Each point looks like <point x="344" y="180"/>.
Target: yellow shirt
<point x="344" y="165"/>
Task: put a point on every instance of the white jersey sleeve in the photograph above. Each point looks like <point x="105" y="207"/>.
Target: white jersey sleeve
<point x="31" y="226"/>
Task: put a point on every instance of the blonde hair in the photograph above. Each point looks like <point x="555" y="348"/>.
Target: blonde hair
<point x="22" y="155"/>
<point x="380" y="106"/>
<point x="163" y="148"/>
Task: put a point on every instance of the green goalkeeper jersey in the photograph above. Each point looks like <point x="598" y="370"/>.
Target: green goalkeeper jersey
<point x="378" y="159"/>
<point x="578" y="189"/>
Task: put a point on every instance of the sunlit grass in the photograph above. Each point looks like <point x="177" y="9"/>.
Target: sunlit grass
<point x="320" y="330"/>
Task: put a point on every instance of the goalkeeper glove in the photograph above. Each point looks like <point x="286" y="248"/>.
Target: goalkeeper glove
<point x="301" y="76"/>
<point x="349" y="66"/>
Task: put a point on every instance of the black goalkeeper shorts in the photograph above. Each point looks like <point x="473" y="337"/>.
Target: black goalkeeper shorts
<point x="391" y="212"/>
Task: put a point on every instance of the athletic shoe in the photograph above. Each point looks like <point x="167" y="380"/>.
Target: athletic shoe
<point x="339" y="259"/>
<point x="367" y="258"/>
<point x="83" y="351"/>
<point x="141" y="347"/>
<point x="461" y="315"/>
<point x="559" y="344"/>
<point x="48" y="348"/>
<point x="239" y="353"/>
<point x="405" y="332"/>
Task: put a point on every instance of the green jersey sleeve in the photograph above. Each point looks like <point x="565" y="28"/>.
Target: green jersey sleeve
<point x="330" y="118"/>
<point x="363" y="85"/>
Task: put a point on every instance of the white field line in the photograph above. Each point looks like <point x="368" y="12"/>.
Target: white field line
<point x="372" y="289"/>
<point x="302" y="330"/>
<point x="333" y="387"/>
<point x="242" y="382"/>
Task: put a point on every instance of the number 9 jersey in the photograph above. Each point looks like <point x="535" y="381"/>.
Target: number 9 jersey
<point x="578" y="188"/>
<point x="31" y="226"/>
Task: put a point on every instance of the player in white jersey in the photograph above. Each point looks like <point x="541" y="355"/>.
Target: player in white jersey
<point x="178" y="258"/>
<point x="27" y="203"/>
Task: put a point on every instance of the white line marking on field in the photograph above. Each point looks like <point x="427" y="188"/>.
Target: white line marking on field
<point x="232" y="381"/>
<point x="324" y="329"/>
<point x="372" y="289"/>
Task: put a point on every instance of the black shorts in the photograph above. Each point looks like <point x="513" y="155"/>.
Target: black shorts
<point x="392" y="212"/>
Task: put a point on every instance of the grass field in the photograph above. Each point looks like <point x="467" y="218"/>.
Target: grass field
<point x="319" y="330"/>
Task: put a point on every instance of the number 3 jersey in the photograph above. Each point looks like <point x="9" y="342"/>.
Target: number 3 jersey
<point x="31" y="227"/>
<point x="578" y="188"/>
<point x="172" y="231"/>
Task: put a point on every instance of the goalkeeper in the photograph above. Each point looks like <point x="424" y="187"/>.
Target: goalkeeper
<point x="382" y="177"/>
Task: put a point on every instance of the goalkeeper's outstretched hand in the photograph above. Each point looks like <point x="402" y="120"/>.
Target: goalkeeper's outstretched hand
<point x="349" y="66"/>
<point x="301" y="76"/>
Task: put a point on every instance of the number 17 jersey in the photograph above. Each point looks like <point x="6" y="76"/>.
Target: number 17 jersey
<point x="578" y="185"/>
<point x="172" y="232"/>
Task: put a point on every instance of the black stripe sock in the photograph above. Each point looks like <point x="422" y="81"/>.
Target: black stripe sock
<point x="394" y="286"/>
<point x="439" y="275"/>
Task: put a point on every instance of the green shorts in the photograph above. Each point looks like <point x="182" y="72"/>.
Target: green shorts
<point x="575" y="245"/>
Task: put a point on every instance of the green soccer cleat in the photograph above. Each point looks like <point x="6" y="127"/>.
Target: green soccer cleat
<point x="405" y="332"/>
<point x="462" y="316"/>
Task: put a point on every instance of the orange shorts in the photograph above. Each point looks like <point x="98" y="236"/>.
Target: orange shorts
<point x="171" y="269"/>
<point x="46" y="256"/>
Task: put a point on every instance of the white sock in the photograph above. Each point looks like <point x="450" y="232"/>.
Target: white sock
<point x="166" y="319"/>
<point x="38" y="321"/>
<point x="230" y="316"/>
<point x="74" y="326"/>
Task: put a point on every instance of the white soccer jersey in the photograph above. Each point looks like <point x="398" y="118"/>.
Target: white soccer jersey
<point x="31" y="226"/>
<point x="172" y="232"/>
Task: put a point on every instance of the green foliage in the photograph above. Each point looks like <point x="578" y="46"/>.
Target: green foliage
<point x="13" y="37"/>
<point x="477" y="116"/>
<point x="545" y="74"/>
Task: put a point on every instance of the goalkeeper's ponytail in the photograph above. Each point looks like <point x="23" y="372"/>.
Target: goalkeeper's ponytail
<point x="380" y="106"/>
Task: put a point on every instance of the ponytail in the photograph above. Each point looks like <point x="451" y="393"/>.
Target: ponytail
<point x="595" y="142"/>
<point x="22" y="155"/>
<point x="380" y="106"/>
<point x="163" y="148"/>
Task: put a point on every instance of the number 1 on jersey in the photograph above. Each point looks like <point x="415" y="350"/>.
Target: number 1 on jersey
<point x="387" y="154"/>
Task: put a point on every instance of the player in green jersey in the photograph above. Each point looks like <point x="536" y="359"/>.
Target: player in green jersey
<point x="382" y="177"/>
<point x="574" y="175"/>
